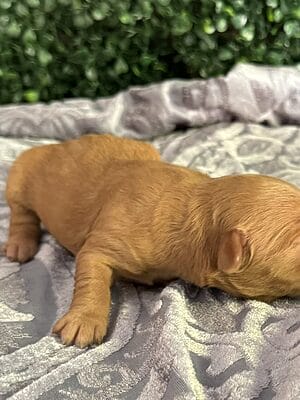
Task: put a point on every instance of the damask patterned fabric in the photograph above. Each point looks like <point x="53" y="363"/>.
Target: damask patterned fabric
<point x="168" y="342"/>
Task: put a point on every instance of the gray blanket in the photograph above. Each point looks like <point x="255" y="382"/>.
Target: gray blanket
<point x="169" y="342"/>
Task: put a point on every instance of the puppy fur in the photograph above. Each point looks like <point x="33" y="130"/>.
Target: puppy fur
<point x="124" y="213"/>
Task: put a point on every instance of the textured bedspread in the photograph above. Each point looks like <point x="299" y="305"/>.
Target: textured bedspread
<point x="173" y="342"/>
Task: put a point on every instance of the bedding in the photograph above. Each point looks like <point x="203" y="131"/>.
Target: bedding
<point x="165" y="342"/>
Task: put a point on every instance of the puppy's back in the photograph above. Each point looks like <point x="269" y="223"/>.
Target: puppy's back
<point x="61" y="182"/>
<point x="88" y="154"/>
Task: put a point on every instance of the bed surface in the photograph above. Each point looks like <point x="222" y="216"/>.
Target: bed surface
<point x="168" y="342"/>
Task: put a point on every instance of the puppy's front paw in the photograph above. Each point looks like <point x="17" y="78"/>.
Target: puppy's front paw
<point x="81" y="329"/>
<point x="20" y="250"/>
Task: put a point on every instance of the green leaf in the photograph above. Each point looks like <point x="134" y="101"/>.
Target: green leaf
<point x="136" y="70"/>
<point x="120" y="66"/>
<point x="225" y="54"/>
<point x="44" y="57"/>
<point x="32" y="96"/>
<point x="247" y="33"/>
<point x="49" y="5"/>
<point x="29" y="36"/>
<point x="272" y="3"/>
<point x="275" y="57"/>
<point x="91" y="74"/>
<point x="82" y="21"/>
<point x="40" y="20"/>
<point x="13" y="30"/>
<point x="239" y="20"/>
<point x="5" y="4"/>
<point x="126" y="19"/>
<point x="21" y="10"/>
<point x="278" y="16"/>
<point x="296" y="13"/>
<point x="221" y="25"/>
<point x="189" y="40"/>
<point x="182" y="24"/>
<point x="229" y="10"/>
<point x="292" y="29"/>
<point x="29" y="51"/>
<point x="33" y="3"/>
<point x="146" y="9"/>
<point x="100" y="12"/>
<point x="270" y="14"/>
<point x="208" y="26"/>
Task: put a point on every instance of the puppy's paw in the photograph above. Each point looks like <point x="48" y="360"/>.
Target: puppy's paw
<point x="20" y="250"/>
<point x="81" y="329"/>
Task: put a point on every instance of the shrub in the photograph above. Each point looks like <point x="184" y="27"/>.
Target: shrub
<point x="53" y="49"/>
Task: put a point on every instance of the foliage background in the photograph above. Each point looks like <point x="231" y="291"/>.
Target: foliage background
<point x="53" y="49"/>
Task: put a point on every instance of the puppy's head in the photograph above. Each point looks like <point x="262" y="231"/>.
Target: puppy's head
<point x="256" y="235"/>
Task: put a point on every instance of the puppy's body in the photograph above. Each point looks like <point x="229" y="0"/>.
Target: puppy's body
<point x="122" y="212"/>
<point x="113" y="196"/>
<point x="63" y="183"/>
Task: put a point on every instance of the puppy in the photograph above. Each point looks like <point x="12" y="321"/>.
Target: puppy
<point x="124" y="213"/>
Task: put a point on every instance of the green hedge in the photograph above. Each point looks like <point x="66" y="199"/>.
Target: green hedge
<point x="52" y="49"/>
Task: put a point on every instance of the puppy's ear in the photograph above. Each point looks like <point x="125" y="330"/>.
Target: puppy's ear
<point x="231" y="250"/>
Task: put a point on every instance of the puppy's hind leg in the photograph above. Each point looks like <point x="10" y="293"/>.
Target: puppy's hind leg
<point x="24" y="234"/>
<point x="24" y="225"/>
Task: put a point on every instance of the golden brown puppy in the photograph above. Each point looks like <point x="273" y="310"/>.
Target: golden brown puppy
<point x="122" y="212"/>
